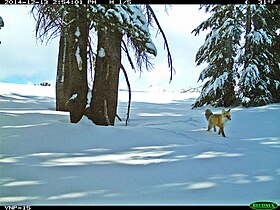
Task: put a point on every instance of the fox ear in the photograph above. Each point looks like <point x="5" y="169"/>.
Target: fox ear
<point x="228" y="110"/>
<point x="223" y="111"/>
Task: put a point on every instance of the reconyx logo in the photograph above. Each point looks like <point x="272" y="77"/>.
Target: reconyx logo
<point x="263" y="205"/>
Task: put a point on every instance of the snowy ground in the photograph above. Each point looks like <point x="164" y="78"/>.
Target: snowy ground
<point x="164" y="157"/>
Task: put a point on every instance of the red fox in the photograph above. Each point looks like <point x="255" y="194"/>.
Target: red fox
<point x="217" y="120"/>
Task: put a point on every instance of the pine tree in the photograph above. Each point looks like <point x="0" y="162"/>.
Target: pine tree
<point x="63" y="93"/>
<point x="112" y="23"/>
<point x="219" y="51"/>
<point x="78" y="41"/>
<point x="52" y="21"/>
<point x="260" y="82"/>
<point x="242" y="52"/>
<point x="71" y="24"/>
<point x="273" y="19"/>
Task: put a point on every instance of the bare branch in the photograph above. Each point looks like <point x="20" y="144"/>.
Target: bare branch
<point x="128" y="55"/>
<point x="169" y="58"/>
<point x="129" y="94"/>
<point x="91" y="57"/>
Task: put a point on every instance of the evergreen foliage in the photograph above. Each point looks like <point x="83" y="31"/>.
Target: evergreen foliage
<point x="243" y="65"/>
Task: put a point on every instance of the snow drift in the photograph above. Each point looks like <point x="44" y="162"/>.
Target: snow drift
<point x="164" y="156"/>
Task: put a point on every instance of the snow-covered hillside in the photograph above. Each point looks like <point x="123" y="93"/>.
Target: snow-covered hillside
<point x="164" y="156"/>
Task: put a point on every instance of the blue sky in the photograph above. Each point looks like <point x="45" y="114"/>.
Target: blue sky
<point x="23" y="59"/>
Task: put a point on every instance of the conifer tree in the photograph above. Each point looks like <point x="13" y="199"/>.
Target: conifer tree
<point x="71" y="24"/>
<point x="260" y="82"/>
<point x="112" y="24"/>
<point x="219" y="51"/>
<point x="241" y="52"/>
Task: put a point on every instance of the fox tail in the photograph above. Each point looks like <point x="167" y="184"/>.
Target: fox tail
<point x="208" y="113"/>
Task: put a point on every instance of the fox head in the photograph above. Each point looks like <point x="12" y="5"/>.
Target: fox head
<point x="226" y="114"/>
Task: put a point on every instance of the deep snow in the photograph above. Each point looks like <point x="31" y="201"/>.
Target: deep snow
<point x="164" y="156"/>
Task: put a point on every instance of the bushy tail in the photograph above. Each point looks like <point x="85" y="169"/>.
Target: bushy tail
<point x="208" y="113"/>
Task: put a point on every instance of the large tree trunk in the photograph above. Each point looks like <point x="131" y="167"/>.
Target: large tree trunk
<point x="71" y="82"/>
<point x="78" y="86"/>
<point x="104" y="100"/>
<point x="62" y="76"/>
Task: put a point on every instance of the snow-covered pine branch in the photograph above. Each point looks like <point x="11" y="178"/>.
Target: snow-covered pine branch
<point x="242" y="47"/>
<point x="219" y="51"/>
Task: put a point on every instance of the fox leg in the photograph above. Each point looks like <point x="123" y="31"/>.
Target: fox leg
<point x="214" y="128"/>
<point x="209" y="126"/>
<point x="221" y="130"/>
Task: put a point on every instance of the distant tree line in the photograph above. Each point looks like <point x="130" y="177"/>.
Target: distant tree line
<point x="242" y="52"/>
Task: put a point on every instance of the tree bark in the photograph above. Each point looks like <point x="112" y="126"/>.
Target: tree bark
<point x="78" y="86"/>
<point x="71" y="81"/>
<point x="104" y="100"/>
<point x="62" y="76"/>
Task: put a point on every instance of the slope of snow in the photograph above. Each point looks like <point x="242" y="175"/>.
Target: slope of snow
<point x="164" y="156"/>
